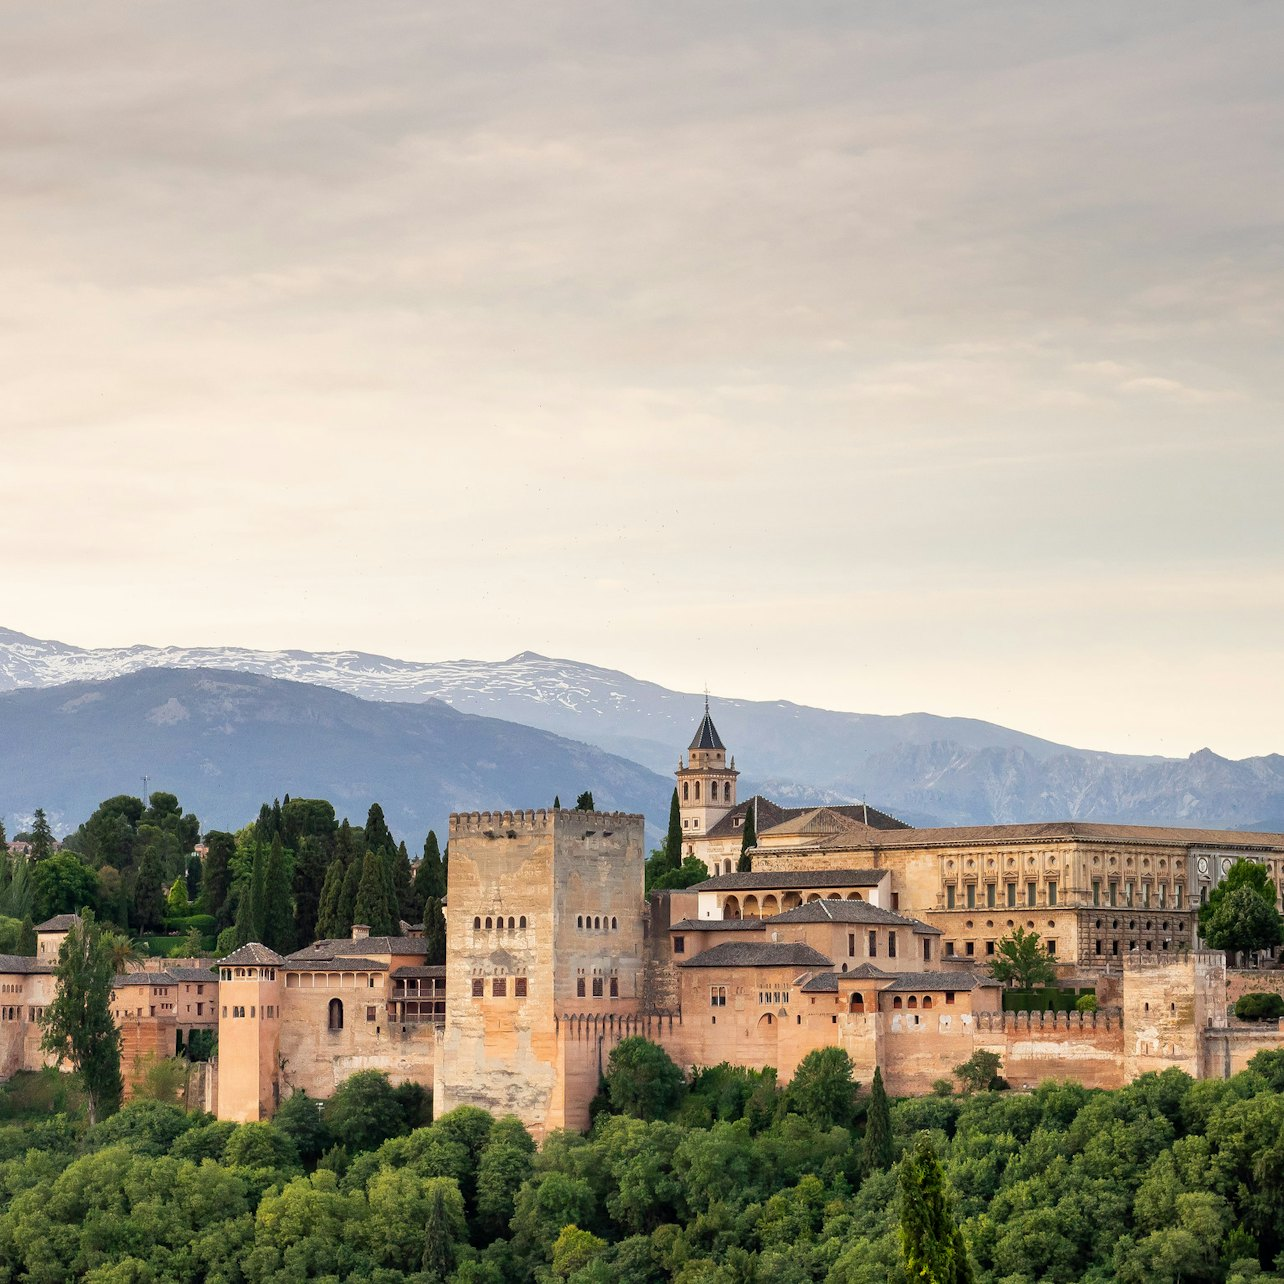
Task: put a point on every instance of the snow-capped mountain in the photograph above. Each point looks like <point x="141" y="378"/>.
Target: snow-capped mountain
<point x="925" y="768"/>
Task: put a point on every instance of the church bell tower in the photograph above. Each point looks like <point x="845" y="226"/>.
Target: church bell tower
<point x="706" y="783"/>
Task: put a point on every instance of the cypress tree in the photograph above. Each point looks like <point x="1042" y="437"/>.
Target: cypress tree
<point x="278" y="909"/>
<point x="391" y="908"/>
<point x="434" y="932"/>
<point x="402" y="877"/>
<point x="430" y="879"/>
<point x="258" y="892"/>
<point x="263" y="826"/>
<point x="311" y="864"/>
<point x="345" y="843"/>
<point x="876" y="1153"/>
<point x="329" y="915"/>
<point x="149" y="899"/>
<point x="378" y="836"/>
<point x="934" y="1248"/>
<point x="557" y="802"/>
<point x="371" y="906"/>
<point x="42" y="839"/>
<point x="216" y="877"/>
<point x="6" y="879"/>
<point x="748" y="840"/>
<point x="27" y="939"/>
<point x="348" y="901"/>
<point x="673" y="840"/>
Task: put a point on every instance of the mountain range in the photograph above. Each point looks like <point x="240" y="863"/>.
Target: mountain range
<point x="925" y="768"/>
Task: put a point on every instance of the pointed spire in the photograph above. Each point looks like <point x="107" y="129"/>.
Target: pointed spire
<point x="706" y="736"/>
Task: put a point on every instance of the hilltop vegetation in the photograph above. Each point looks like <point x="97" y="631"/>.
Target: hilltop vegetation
<point x="727" y="1181"/>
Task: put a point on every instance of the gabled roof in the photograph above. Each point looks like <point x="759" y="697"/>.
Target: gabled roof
<point x="252" y="955"/>
<point x="773" y="880"/>
<point x="939" y="981"/>
<point x="437" y="970"/>
<point x="867" y="972"/>
<point x="769" y="815"/>
<point x="24" y="965"/>
<point x="331" y="965"/>
<point x="706" y="736"/>
<point x="364" y="948"/>
<point x="850" y="912"/>
<point x="193" y="974"/>
<point x="821" y="983"/>
<point x="59" y="923"/>
<point x="125" y="979"/>
<point x="717" y="925"/>
<point x="754" y="954"/>
<point x="816" y="820"/>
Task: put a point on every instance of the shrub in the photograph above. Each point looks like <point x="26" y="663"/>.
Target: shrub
<point x="1260" y="1006"/>
<point x="1086" y="1003"/>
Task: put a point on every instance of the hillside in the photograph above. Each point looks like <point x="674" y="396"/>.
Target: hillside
<point x="224" y="742"/>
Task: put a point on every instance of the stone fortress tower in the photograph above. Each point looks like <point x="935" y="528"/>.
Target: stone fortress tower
<point x="706" y="783"/>
<point x="249" y="1033"/>
<point x="543" y="931"/>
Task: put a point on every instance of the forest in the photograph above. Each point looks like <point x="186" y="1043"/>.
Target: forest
<point x="720" y="1177"/>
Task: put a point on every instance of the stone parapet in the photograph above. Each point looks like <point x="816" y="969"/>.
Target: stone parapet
<point x="1055" y="1023"/>
<point x="511" y="823"/>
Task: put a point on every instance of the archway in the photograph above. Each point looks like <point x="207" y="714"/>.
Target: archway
<point x="770" y="906"/>
<point x="791" y="901"/>
<point x="731" y="907"/>
<point x="750" y="907"/>
<point x="857" y="1002"/>
<point x="336" y="1014"/>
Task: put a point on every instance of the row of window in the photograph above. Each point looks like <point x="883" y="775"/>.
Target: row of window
<point x="613" y="988"/>
<point x="499" y="987"/>
<point x="497" y="922"/>
<point x="1114" y="893"/>
<point x="969" y="947"/>
<point x="248" y="973"/>
<point x="773" y="998"/>
<point x="687" y="790"/>
<point x="597" y="923"/>
<point x="269" y="1010"/>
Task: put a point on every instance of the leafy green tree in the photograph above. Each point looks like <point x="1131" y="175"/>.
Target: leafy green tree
<point x="692" y="871"/>
<point x="78" y="1025"/>
<point x="371" y="906"/>
<point x="748" y="840"/>
<point x="574" y="1249"/>
<point x="1240" y="916"/>
<point x="585" y="801"/>
<point x="216" y="876"/>
<point x="18" y="900"/>
<point x="260" y="1145"/>
<point x="641" y="1079"/>
<point x="979" y="1071"/>
<point x="42" y="839"/>
<point x="876" y="1152"/>
<point x="1020" y="960"/>
<point x="176" y="902"/>
<point x="933" y="1245"/>
<point x="278" y="908"/>
<point x="1260" y="1006"/>
<point x="506" y="1162"/>
<point x="823" y="1088"/>
<point x="61" y="885"/>
<point x="364" y="1111"/>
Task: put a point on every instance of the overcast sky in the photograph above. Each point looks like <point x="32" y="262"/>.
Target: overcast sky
<point x="885" y="357"/>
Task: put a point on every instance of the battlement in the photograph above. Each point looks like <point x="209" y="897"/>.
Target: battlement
<point x="1028" y="1023"/>
<point x="1140" y="961"/>
<point x="616" y="1025"/>
<point x="497" y="824"/>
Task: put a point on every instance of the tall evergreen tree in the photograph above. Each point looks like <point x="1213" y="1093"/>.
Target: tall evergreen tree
<point x="345" y="843"/>
<point x="378" y="837"/>
<point x="311" y="864"/>
<point x="371" y="906"/>
<point x="258" y="891"/>
<point x="934" y="1248"/>
<point x="434" y="932"/>
<point x="391" y="912"/>
<point x="149" y="892"/>
<point x="329" y="915"/>
<point x="876" y="1153"/>
<point x="4" y="841"/>
<point x="432" y="872"/>
<point x="557" y="802"/>
<point x="216" y="877"/>
<point x="78" y="1024"/>
<point x="348" y="903"/>
<point x="27" y="939"/>
<point x="673" y="839"/>
<point x="585" y="801"/>
<point x="42" y="839"/>
<point x="748" y="839"/>
<point x="278" y="907"/>
<point x="401" y="877"/>
<point x="193" y="876"/>
<point x="263" y="826"/>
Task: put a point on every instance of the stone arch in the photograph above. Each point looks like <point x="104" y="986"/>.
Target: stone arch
<point x="597" y="923"/>
<point x="834" y="896"/>
<point x="521" y="923"/>
<point x="336" y="1014"/>
<point x="913" y="1001"/>
<point x="791" y="900"/>
<point x="488" y="923"/>
<point x="579" y="921"/>
<point x="726" y="791"/>
<point x="854" y="896"/>
<point x="770" y="905"/>
<point x="614" y="923"/>
<point x="731" y="907"/>
<point x="477" y="924"/>
<point x="857" y="1002"/>
<point x="766" y="1019"/>
<point x="511" y="923"/>
<point x="749" y="908"/>
<point x="812" y="896"/>
<point x="927" y="1000"/>
<point x="896" y="1001"/>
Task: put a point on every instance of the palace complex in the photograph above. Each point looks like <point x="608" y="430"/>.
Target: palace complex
<point x="851" y="928"/>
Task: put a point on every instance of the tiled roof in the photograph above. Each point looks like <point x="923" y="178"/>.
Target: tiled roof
<point x="252" y="954"/>
<point x="850" y="912"/>
<point x="1053" y="831"/>
<point x="717" y="925"/>
<point x="193" y="974"/>
<point x="706" y="736"/>
<point x="125" y="979"/>
<point x="791" y="878"/>
<point x="409" y="973"/>
<point x="939" y="981"/>
<point x="59" y="923"/>
<point x="341" y="964"/>
<point x="821" y="983"/>
<point x="362" y="948"/>
<point x="867" y="972"/>
<point x="771" y="814"/>
<point x="753" y="954"/>
<point x="24" y="965"/>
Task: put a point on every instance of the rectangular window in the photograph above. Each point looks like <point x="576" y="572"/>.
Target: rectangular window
<point x="1052" y="893"/>
<point x="1128" y="894"/>
<point x="927" y="949"/>
<point x="1145" y="895"/>
<point x="1030" y="890"/>
<point x="970" y="949"/>
<point x="873" y="945"/>
<point x="718" y="996"/>
<point x="1114" y="947"/>
<point x="1011" y="896"/>
<point x="370" y="1012"/>
<point x="1098" y="947"/>
<point x="1096" y="891"/>
<point x="519" y="987"/>
<point x="479" y="987"/>
<point x="1163" y="895"/>
<point x="971" y="896"/>
<point x="1051" y="946"/>
<point x="989" y="947"/>
<point x="949" y="996"/>
<point x="679" y="944"/>
<point x="1177" y="896"/>
<point x="224" y="1010"/>
<point x="949" y="948"/>
<point x="949" y="895"/>
<point x="896" y="900"/>
<point x="579" y="987"/>
<point x="1114" y="893"/>
<point x="499" y="987"/>
<point x="990" y="891"/>
<point x="597" y="987"/>
<point x="851" y="945"/>
<point x="891" y="945"/>
<point x="615" y="987"/>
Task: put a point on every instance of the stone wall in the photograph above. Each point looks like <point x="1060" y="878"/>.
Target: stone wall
<point x="1083" y="1047"/>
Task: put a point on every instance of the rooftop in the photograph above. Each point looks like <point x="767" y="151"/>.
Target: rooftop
<point x="850" y="912"/>
<point x="706" y="736"/>
<point x="939" y="981"/>
<point x="780" y="880"/>
<point x="24" y="965"/>
<point x="59" y="923"/>
<point x="293" y="964"/>
<point x="193" y="974"/>
<point x="410" y="973"/>
<point x="755" y="954"/>
<point x="717" y="925"/>
<point x="252" y="954"/>
<point x="124" y="979"/>
<point x="769" y="815"/>
<point x="362" y="948"/>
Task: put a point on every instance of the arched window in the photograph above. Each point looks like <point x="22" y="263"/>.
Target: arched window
<point x="521" y="922"/>
<point x="726" y="792"/>
<point x="731" y="907"/>
<point x="854" y="896"/>
<point x="686" y="791"/>
<point x="726" y="865"/>
<point x="913" y="1001"/>
<point x="597" y="924"/>
<point x="510" y="923"/>
<point x="579" y="920"/>
<point x="697" y="791"/>
<point x="614" y="924"/>
<point x="336" y="1014"/>
<point x="857" y="1002"/>
<point x="488" y="922"/>
<point x="477" y="925"/>
<point x="896" y="1001"/>
<point x="927" y="1000"/>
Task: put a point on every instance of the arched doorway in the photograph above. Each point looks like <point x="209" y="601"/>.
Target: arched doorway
<point x="336" y="1014"/>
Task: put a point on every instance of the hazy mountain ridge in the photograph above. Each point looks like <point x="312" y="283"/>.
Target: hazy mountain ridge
<point x="922" y="767"/>
<point x="225" y="742"/>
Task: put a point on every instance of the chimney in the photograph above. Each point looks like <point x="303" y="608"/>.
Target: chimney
<point x="360" y="931"/>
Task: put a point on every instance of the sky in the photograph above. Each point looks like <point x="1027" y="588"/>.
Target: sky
<point x="882" y="357"/>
